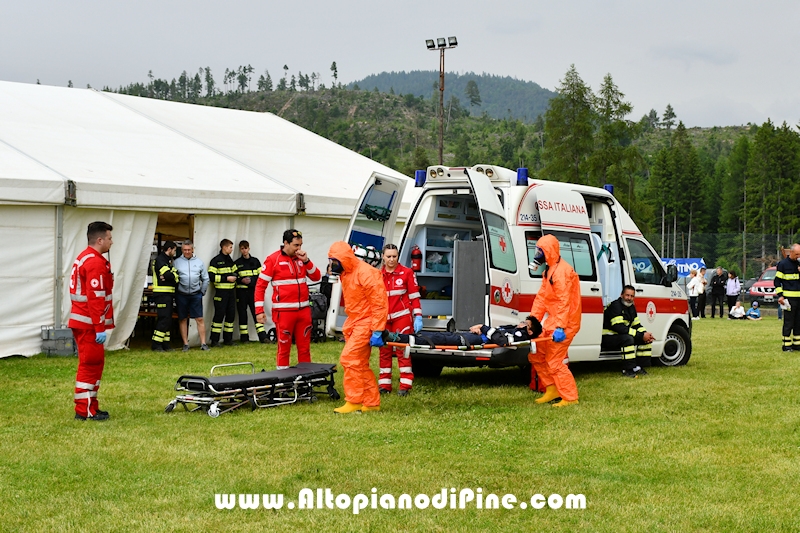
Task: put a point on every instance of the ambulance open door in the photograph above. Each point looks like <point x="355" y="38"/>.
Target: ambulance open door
<point x="371" y="226"/>
<point x="502" y="276"/>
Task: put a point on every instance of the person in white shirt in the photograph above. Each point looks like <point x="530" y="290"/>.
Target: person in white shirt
<point x="701" y="293"/>
<point x="737" y="312"/>
<point x="692" y="287"/>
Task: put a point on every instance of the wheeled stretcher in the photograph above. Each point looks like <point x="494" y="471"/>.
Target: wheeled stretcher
<point x="220" y="394"/>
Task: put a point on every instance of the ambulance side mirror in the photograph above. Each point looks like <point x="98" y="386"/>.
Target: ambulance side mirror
<point x="672" y="275"/>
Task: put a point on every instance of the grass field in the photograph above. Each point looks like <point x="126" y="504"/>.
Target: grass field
<point x="712" y="446"/>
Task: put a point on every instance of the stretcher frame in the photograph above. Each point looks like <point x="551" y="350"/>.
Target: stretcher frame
<point x="478" y="348"/>
<point x="266" y="389"/>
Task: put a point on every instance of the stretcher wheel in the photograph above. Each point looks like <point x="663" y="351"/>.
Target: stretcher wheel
<point x="253" y="405"/>
<point x="272" y="335"/>
<point x="213" y="410"/>
<point x="170" y="406"/>
<point x="313" y="398"/>
<point x="319" y="335"/>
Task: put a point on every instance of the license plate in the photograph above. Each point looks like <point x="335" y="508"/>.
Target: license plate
<point x="768" y="298"/>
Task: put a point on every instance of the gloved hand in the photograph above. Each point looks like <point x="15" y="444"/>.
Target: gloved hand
<point x="376" y="339"/>
<point x="100" y="338"/>
<point x="417" y="324"/>
<point x="559" y="335"/>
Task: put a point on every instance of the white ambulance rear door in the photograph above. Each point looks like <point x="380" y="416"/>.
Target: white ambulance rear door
<point x="372" y="225"/>
<point x="503" y="275"/>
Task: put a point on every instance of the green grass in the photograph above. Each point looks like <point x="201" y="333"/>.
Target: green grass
<point x="712" y="446"/>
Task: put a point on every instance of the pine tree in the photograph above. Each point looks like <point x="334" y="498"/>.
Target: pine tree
<point x="472" y="93"/>
<point x="669" y="117"/>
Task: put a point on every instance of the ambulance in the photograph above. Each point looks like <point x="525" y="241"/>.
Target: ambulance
<point x="471" y="237"/>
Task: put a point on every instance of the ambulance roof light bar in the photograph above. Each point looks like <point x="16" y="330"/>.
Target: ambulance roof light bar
<point x="419" y="178"/>
<point x="610" y="188"/>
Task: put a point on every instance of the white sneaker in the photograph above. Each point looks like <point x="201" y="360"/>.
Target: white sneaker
<point x="695" y="318"/>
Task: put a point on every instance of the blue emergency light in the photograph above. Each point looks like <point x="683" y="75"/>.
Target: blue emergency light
<point x="609" y="188"/>
<point x="419" y="178"/>
<point x="522" y="176"/>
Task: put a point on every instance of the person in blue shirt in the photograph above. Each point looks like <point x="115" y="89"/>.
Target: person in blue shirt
<point x="192" y="286"/>
<point x="754" y="313"/>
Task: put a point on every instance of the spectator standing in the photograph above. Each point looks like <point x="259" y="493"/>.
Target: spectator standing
<point x="732" y="289"/>
<point x="192" y="286"/>
<point x="718" y="282"/>
<point x="701" y="293"/>
<point x="692" y="288"/>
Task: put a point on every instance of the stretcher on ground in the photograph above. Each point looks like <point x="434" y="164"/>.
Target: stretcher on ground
<point x="223" y="393"/>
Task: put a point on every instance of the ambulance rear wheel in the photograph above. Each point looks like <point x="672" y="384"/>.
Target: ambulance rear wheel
<point x="677" y="347"/>
<point x="426" y="369"/>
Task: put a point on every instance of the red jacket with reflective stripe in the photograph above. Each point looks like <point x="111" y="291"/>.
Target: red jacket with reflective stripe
<point x="402" y="291"/>
<point x="90" y="286"/>
<point x="288" y="278"/>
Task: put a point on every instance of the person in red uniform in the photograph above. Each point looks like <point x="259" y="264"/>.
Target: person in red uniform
<point x="90" y="286"/>
<point x="560" y="298"/>
<point x="367" y="308"/>
<point x="405" y="316"/>
<point x="287" y="270"/>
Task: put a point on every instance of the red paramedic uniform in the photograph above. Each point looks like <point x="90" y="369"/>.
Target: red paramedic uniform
<point x="90" y="286"/>
<point x="403" y="293"/>
<point x="290" y="308"/>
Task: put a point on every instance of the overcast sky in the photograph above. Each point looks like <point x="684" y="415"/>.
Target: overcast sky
<point x="718" y="62"/>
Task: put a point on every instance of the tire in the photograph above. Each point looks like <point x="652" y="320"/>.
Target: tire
<point x="677" y="347"/>
<point x="426" y="369"/>
<point x="213" y="410"/>
<point x="170" y="406"/>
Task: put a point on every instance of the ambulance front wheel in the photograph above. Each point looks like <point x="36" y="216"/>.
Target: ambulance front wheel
<point x="677" y="347"/>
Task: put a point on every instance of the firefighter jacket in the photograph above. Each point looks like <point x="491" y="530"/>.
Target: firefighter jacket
<point x="165" y="275"/>
<point x="362" y="289"/>
<point x="247" y="268"/>
<point x="90" y="286"/>
<point x="619" y="319"/>
<point x="560" y="293"/>
<point x="288" y="277"/>
<point x="402" y="291"/>
<point x="219" y="269"/>
<point x="787" y="279"/>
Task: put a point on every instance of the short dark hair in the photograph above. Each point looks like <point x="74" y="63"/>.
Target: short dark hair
<point x="225" y="242"/>
<point x="169" y="245"/>
<point x="629" y="288"/>
<point x="291" y="234"/>
<point x="244" y="244"/>
<point x="97" y="230"/>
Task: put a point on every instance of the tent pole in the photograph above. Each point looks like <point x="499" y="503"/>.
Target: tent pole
<point x="59" y="276"/>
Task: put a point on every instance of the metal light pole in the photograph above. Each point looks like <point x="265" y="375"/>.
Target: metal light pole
<point x="441" y="44"/>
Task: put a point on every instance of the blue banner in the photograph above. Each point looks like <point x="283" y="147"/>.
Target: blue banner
<point x="684" y="265"/>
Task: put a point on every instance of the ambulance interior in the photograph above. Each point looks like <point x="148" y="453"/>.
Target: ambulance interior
<point x="444" y="221"/>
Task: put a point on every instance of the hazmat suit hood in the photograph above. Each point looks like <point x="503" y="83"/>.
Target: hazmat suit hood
<point x="551" y="249"/>
<point x="342" y="252"/>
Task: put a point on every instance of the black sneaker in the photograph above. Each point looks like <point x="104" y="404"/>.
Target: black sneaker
<point x="204" y="347"/>
<point x="788" y="349"/>
<point x="99" y="416"/>
<point x="214" y="344"/>
<point x="385" y="391"/>
<point x="185" y="347"/>
<point x="629" y="373"/>
<point x="403" y="392"/>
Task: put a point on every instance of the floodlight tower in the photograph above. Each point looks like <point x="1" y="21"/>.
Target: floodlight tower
<point x="441" y="44"/>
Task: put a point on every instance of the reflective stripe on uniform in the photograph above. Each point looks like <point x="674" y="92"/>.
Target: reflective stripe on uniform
<point x="78" y="297"/>
<point x="85" y="395"/>
<point x="413" y="295"/>
<point x="80" y="318"/>
<point x="404" y="312"/>
<point x="397" y="292"/>
<point x="289" y="305"/>
<point x="265" y="277"/>
<point x="278" y="282"/>
<point x="84" y="385"/>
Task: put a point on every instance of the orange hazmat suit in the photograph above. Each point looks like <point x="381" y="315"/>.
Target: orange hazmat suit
<point x="559" y="297"/>
<point x="367" y="307"/>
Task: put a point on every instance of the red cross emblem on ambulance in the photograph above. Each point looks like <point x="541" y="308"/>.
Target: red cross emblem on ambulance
<point x="507" y="291"/>
<point x="651" y="311"/>
<point x="502" y="244"/>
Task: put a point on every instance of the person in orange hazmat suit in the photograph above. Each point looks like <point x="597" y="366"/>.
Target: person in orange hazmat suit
<point x="560" y="298"/>
<point x="367" y="308"/>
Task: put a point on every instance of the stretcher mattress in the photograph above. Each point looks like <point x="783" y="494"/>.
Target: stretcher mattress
<point x="306" y="371"/>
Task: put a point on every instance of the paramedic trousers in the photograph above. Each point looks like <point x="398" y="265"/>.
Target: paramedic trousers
<point x="403" y="325"/>
<point x="91" y="359"/>
<point x="791" y="325"/>
<point x="360" y="386"/>
<point x="548" y="362"/>
<point x="293" y="324"/>
<point x="244" y="301"/>
<point x="163" y="302"/>
<point x="632" y="355"/>
<point x="224" y="315"/>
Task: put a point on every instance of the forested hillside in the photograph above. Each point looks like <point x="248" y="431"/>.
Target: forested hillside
<point x="726" y="194"/>
<point x="499" y="97"/>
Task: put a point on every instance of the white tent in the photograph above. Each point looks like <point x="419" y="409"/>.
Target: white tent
<point x="72" y="156"/>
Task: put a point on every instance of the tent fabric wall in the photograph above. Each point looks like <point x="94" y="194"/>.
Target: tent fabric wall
<point x="27" y="278"/>
<point x="129" y="256"/>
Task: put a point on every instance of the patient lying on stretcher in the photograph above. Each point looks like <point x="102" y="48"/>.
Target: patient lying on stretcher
<point x="477" y="335"/>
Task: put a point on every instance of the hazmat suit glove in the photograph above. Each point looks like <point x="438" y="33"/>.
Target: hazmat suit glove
<point x="100" y="338"/>
<point x="377" y="339"/>
<point x="417" y="324"/>
<point x="559" y="335"/>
